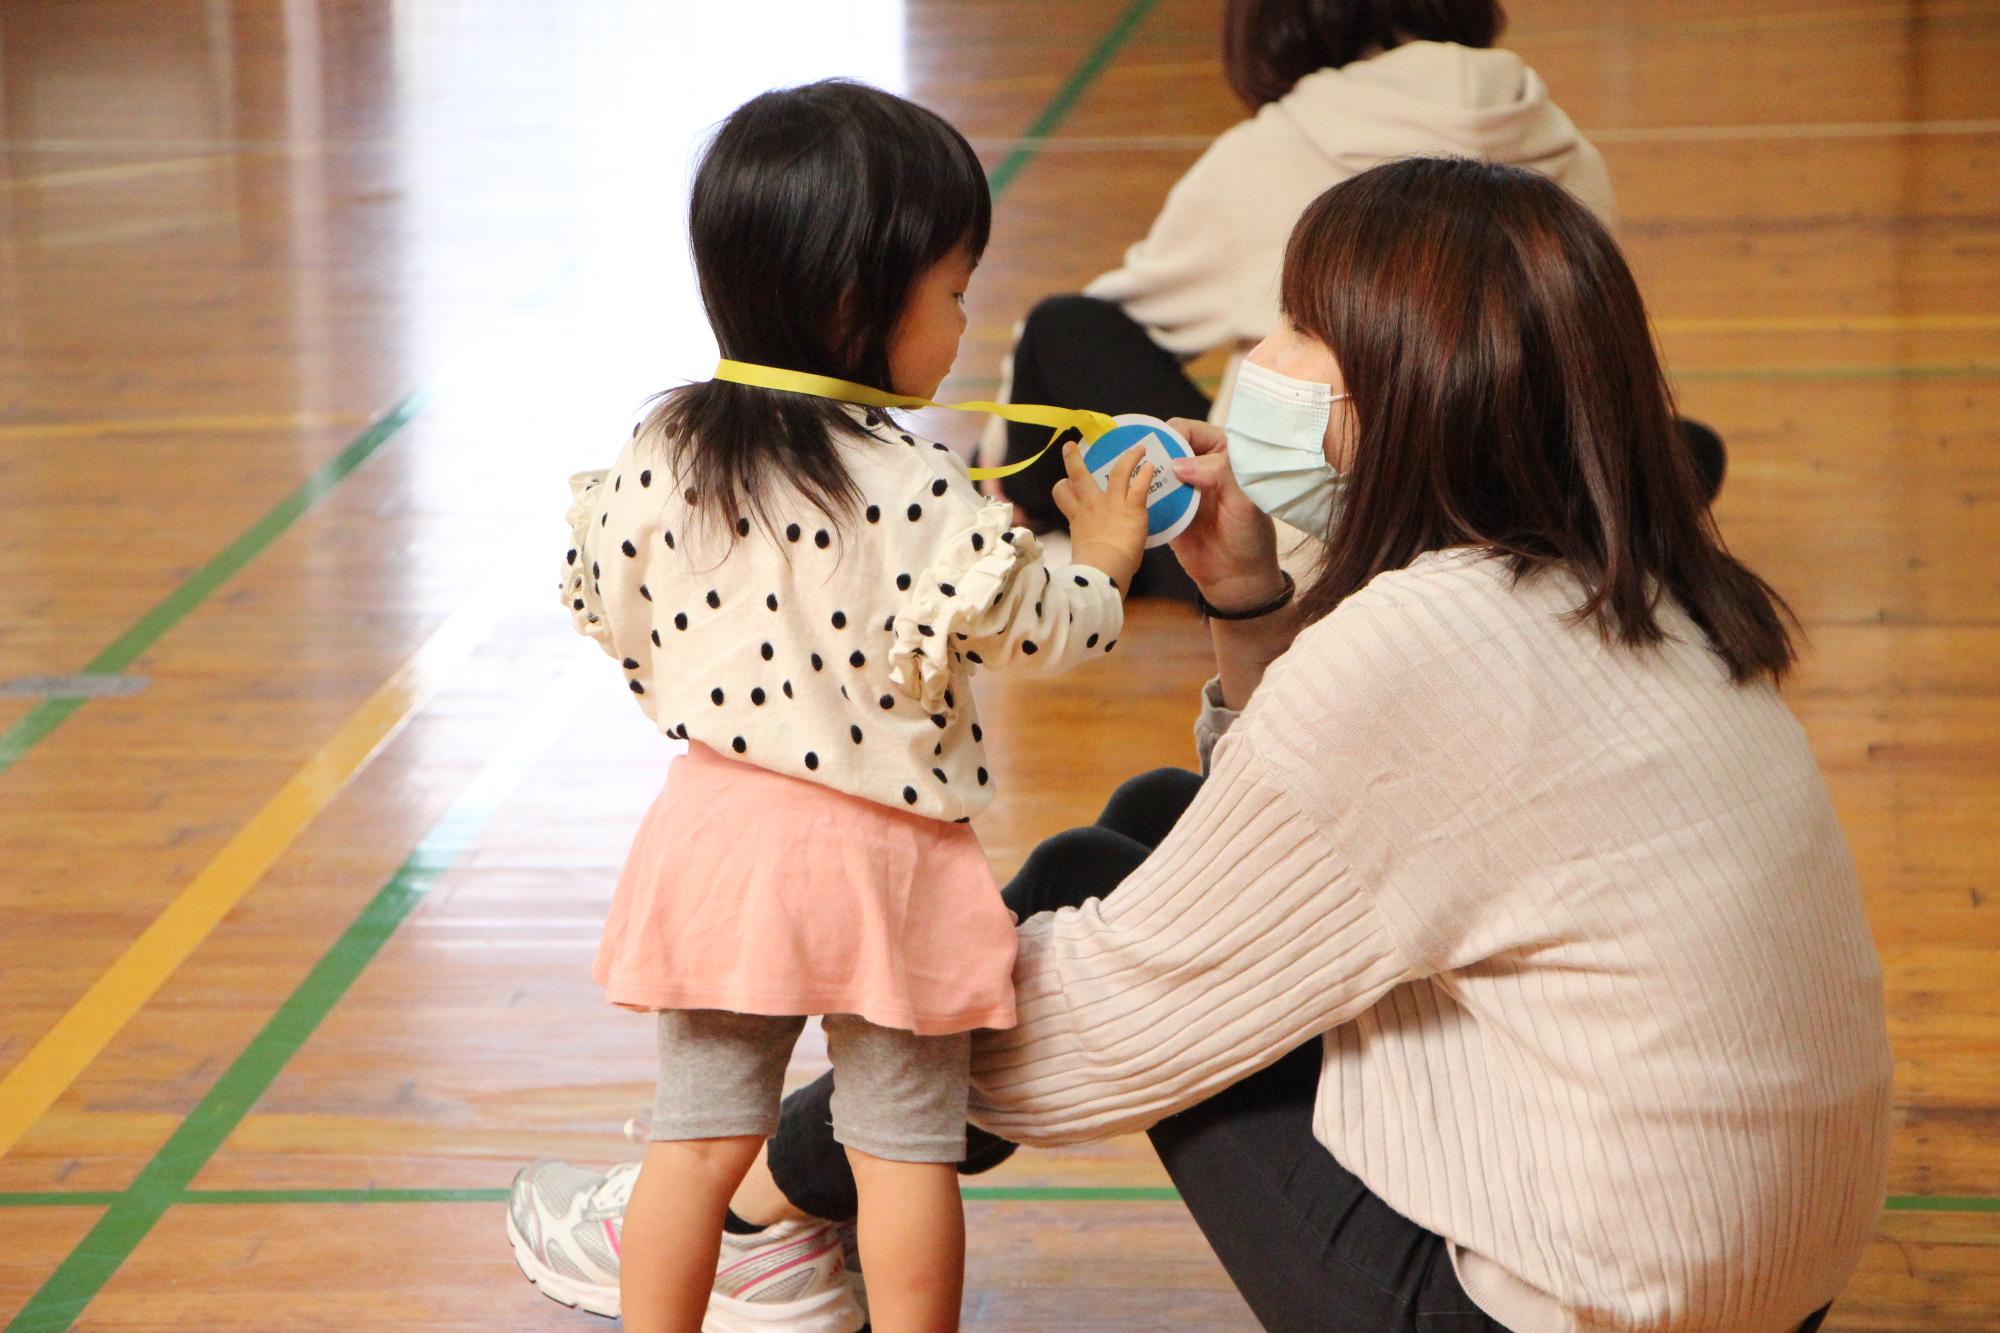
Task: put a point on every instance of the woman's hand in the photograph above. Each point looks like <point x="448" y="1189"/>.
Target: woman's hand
<point x="1107" y="525"/>
<point x="1230" y="549"/>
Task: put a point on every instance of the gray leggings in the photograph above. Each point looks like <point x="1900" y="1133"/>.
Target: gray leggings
<point x="901" y="1096"/>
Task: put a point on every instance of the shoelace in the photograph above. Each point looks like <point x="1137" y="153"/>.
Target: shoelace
<point x="616" y="1191"/>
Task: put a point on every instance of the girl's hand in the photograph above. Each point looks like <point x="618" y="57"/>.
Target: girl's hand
<point x="1107" y="526"/>
<point x="1230" y="549"/>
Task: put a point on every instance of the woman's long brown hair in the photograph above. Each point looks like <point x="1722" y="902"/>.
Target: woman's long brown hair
<point x="1508" y="396"/>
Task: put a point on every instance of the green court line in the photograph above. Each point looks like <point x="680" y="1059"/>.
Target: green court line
<point x="1058" y="107"/>
<point x="165" y="1180"/>
<point x="46" y="716"/>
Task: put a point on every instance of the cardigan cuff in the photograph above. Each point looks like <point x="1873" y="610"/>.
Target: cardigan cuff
<point x="1214" y="721"/>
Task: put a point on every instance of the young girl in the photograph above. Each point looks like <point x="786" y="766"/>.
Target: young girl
<point x="802" y="591"/>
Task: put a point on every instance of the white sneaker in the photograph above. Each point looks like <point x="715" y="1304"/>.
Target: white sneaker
<point x="565" y="1223"/>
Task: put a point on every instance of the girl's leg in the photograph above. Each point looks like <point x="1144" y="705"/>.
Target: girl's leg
<point x="899" y="1110"/>
<point x="720" y="1079"/>
<point x="912" y="1236"/>
<point x="673" y="1230"/>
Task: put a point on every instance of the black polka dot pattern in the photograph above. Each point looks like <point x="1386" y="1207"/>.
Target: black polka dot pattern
<point x="822" y="539"/>
<point x="856" y="659"/>
<point x="739" y="745"/>
<point x="888" y="702"/>
<point x="910" y="795"/>
<point x="854" y="734"/>
<point x="793" y="532"/>
<point x="714" y="600"/>
<point x="646" y="477"/>
<point x="680" y="620"/>
<point x="771" y="601"/>
<point x="812" y="760"/>
<point x="757" y="696"/>
<point x="938" y="487"/>
<point x="915" y="511"/>
<point x="902" y="583"/>
<point x="840" y="620"/>
<point x="767" y="652"/>
<point x="715" y="696"/>
<point x="743" y="527"/>
<point x="874" y="514"/>
<point x="627" y="547"/>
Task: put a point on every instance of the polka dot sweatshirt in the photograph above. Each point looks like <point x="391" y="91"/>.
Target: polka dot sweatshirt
<point x="838" y="653"/>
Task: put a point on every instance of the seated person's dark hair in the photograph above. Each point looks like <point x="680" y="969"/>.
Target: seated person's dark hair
<point x="1269" y="45"/>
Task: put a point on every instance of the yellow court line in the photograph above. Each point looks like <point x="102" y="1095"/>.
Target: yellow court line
<point x="70" y="430"/>
<point x="66" y="1050"/>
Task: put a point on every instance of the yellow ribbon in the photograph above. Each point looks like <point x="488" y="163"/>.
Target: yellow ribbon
<point x="1058" y="419"/>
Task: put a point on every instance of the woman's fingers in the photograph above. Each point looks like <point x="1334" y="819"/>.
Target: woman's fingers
<point x="1202" y="437"/>
<point x="1204" y="473"/>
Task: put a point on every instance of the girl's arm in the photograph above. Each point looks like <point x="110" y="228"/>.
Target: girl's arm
<point x="991" y="597"/>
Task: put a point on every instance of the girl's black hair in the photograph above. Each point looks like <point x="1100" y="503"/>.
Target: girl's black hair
<point x="814" y="212"/>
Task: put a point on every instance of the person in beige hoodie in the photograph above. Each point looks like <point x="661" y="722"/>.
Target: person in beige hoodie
<point x="1335" y="87"/>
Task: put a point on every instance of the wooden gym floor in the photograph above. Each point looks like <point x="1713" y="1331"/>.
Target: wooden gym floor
<point x="308" y="310"/>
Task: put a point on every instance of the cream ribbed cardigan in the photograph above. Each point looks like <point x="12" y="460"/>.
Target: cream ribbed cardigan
<point x="1577" y="923"/>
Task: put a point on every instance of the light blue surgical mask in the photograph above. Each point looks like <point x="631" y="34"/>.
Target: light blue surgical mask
<point x="1277" y="448"/>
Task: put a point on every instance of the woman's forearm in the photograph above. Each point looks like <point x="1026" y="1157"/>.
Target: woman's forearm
<point x="1244" y="648"/>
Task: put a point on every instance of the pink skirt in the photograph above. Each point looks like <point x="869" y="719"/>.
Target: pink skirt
<point x="757" y="893"/>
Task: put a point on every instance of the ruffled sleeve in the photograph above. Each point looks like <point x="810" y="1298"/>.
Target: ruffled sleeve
<point x="989" y="595"/>
<point x="579" y="578"/>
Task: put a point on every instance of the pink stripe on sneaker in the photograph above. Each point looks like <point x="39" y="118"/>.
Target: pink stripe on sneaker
<point x="781" y="1268"/>
<point x="611" y="1233"/>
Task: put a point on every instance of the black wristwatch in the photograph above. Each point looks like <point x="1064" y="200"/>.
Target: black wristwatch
<point x="1278" y="603"/>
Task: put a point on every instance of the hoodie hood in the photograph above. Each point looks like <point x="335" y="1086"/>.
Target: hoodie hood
<point x="1437" y="97"/>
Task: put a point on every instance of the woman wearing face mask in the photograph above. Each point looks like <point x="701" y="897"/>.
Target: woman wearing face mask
<point x="1505" y="966"/>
